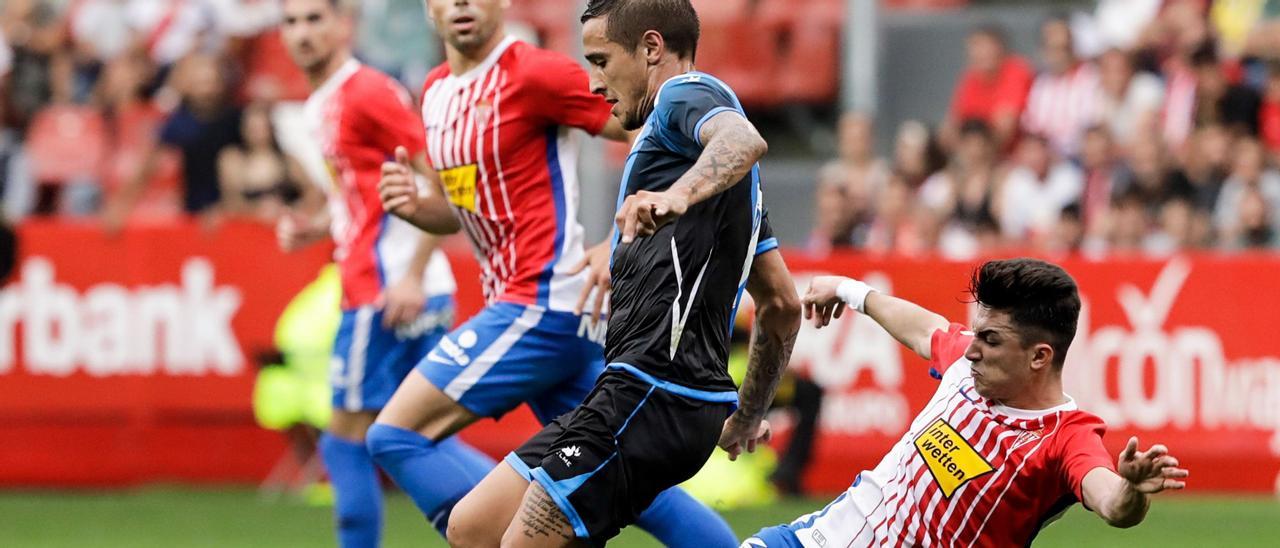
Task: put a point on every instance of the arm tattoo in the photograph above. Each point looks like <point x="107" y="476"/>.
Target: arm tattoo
<point x="540" y="517"/>
<point x="770" y="353"/>
<point x="730" y="152"/>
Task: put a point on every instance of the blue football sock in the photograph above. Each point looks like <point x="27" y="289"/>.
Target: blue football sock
<point x="358" y="509"/>
<point x="435" y="475"/>
<point x="677" y="519"/>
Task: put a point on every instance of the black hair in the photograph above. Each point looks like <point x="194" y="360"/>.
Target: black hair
<point x="976" y="126"/>
<point x="675" y="20"/>
<point x="1041" y="299"/>
<point x="1205" y="54"/>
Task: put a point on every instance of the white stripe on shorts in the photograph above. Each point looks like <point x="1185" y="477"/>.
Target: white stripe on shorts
<point x="482" y="364"/>
<point x="355" y="359"/>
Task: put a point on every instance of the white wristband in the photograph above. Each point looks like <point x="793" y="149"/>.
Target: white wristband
<point x="854" y="293"/>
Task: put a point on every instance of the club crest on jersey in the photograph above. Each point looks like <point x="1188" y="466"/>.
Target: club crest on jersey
<point x="1027" y="436"/>
<point x="483" y="109"/>
<point x="950" y="458"/>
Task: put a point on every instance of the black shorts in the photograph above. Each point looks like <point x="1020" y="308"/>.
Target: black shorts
<point x="604" y="462"/>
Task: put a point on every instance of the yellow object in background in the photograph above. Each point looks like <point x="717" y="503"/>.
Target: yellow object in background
<point x="297" y="391"/>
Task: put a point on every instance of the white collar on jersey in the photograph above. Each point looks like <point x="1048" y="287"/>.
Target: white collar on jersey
<point x="488" y="61"/>
<point x="1030" y="414"/>
<point x="334" y="81"/>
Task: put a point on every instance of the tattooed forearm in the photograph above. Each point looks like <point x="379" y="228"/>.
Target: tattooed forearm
<point x="770" y="353"/>
<point x="732" y="147"/>
<point x="540" y="517"/>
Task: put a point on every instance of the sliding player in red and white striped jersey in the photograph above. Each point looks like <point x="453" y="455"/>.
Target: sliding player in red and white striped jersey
<point x="1000" y="450"/>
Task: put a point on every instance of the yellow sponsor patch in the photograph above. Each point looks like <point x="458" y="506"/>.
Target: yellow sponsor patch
<point x="460" y="185"/>
<point x="950" y="458"/>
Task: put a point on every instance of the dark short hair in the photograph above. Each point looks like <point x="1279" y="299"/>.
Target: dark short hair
<point x="976" y="127"/>
<point x="1041" y="299"/>
<point x="675" y="20"/>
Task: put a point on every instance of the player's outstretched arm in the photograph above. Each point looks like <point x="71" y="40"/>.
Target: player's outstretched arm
<point x="1121" y="498"/>
<point x="732" y="146"/>
<point x="427" y="209"/>
<point x="909" y="323"/>
<point x="777" y="322"/>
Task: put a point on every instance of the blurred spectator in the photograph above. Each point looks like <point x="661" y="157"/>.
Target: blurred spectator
<point x="1205" y="164"/>
<point x="1218" y="101"/>
<point x="1176" y="228"/>
<point x="1104" y="175"/>
<point x="893" y="229"/>
<point x="1254" y="228"/>
<point x="916" y="154"/>
<point x="258" y="180"/>
<point x="1062" y="103"/>
<point x="959" y="197"/>
<point x="1269" y="112"/>
<point x="200" y="128"/>
<point x="1128" y="101"/>
<point x="1128" y="224"/>
<point x="1120" y="23"/>
<point x="848" y="187"/>
<point x="1035" y="191"/>
<point x="39" y="73"/>
<point x="993" y="88"/>
<point x="1249" y="173"/>
<point x="1068" y="234"/>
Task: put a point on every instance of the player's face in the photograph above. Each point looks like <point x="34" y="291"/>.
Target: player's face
<point x="467" y="25"/>
<point x="311" y="32"/>
<point x="1001" y="362"/>
<point x="618" y="75"/>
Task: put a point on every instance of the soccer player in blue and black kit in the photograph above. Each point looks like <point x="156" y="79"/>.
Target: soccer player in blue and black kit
<point x="690" y="216"/>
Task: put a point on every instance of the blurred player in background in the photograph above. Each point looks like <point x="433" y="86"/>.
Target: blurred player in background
<point x="397" y="289"/>
<point x="690" y="215"/>
<point x="1000" y="450"/>
<point x="498" y="114"/>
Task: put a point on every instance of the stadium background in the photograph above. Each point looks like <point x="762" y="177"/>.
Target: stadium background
<point x="130" y="341"/>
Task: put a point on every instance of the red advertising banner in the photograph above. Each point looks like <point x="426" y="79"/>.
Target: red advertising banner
<point x="130" y="359"/>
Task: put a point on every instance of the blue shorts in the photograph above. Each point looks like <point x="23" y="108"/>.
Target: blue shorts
<point x="510" y="354"/>
<point x="369" y="361"/>
<point x="779" y="536"/>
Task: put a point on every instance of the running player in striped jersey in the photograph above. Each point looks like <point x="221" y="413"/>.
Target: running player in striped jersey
<point x="397" y="289"/>
<point x="1000" y="450"/>
<point x="501" y="159"/>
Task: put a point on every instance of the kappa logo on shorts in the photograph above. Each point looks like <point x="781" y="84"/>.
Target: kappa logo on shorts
<point x="951" y="459"/>
<point x="566" y="453"/>
<point x="450" y="349"/>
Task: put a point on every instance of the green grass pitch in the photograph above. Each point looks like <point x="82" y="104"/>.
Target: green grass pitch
<point x="181" y="516"/>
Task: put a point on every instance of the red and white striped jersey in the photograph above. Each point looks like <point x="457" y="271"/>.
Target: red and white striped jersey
<point x="499" y="135"/>
<point x="361" y="116"/>
<point x="1062" y="106"/>
<point x="969" y="472"/>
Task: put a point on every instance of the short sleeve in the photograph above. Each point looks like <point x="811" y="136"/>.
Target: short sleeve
<point x="565" y="94"/>
<point x="1081" y="450"/>
<point x="946" y="347"/>
<point x="388" y="115"/>
<point x="766" y="242"/>
<point x="684" y="105"/>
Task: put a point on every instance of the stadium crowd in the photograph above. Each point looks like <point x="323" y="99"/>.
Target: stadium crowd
<point x="1142" y="126"/>
<point x="1149" y="127"/>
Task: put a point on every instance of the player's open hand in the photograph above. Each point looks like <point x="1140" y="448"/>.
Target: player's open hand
<point x="401" y="302"/>
<point x="397" y="188"/>
<point x="596" y="263"/>
<point x="1150" y="471"/>
<point x="821" y="302"/>
<point x="742" y="435"/>
<point x="644" y="212"/>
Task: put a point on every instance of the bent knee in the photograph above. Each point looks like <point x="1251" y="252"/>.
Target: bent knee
<point x="469" y="525"/>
